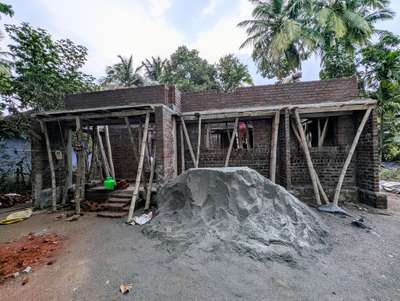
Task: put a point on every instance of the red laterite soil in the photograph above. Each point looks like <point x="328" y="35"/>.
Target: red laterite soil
<point x="28" y="251"/>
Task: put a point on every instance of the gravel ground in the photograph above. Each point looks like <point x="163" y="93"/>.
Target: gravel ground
<point x="100" y="254"/>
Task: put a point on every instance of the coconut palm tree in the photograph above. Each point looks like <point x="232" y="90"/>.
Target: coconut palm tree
<point x="154" y="68"/>
<point x="279" y="36"/>
<point x="345" y="25"/>
<point x="284" y="33"/>
<point x="123" y="74"/>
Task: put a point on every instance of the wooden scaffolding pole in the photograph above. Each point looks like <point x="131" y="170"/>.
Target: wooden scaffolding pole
<point x="140" y="168"/>
<point x="321" y="189"/>
<point x="51" y="166"/>
<point x="109" y="151"/>
<point x="350" y="155"/>
<point x="308" y="156"/>
<point x="274" y="146"/>
<point x="175" y="146"/>
<point x="189" y="144"/>
<point x="150" y="184"/>
<point x="103" y="153"/>
<point x="182" y="148"/>
<point x="68" y="161"/>
<point x="79" y="175"/>
<point x="232" y="140"/>
<point x="198" y="142"/>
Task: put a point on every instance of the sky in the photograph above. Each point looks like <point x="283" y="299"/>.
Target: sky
<point x="146" y="28"/>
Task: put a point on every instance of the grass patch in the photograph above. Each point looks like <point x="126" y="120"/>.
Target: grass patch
<point x="390" y="174"/>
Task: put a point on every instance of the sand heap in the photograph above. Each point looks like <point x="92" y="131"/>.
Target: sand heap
<point x="234" y="209"/>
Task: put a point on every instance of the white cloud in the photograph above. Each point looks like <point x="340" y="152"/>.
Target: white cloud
<point x="109" y="28"/>
<point x="210" y="8"/>
<point x="158" y="7"/>
<point x="225" y="37"/>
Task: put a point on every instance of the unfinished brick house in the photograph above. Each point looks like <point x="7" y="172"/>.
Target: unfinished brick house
<point x="253" y="126"/>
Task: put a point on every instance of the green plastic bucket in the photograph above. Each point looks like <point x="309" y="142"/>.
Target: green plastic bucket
<point x="109" y="183"/>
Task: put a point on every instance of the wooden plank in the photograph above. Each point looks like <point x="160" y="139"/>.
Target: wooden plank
<point x="51" y="166"/>
<point x="308" y="156"/>
<point x="234" y="134"/>
<point x="189" y="144"/>
<point x="68" y="161"/>
<point x="198" y="142"/>
<point x="139" y="169"/>
<point x="321" y="189"/>
<point x="350" y="155"/>
<point x="122" y="114"/>
<point x="109" y="151"/>
<point x="103" y="153"/>
<point x="274" y="146"/>
<point x="266" y="111"/>
<point x="182" y="148"/>
<point x="150" y="184"/>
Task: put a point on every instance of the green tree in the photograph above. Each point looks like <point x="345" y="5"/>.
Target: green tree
<point x="5" y="64"/>
<point x="381" y="78"/>
<point x="342" y="27"/>
<point x="154" y="68"/>
<point x="44" y="70"/>
<point x="232" y="74"/>
<point x="123" y="74"/>
<point x="189" y="72"/>
<point x="284" y="33"/>
<point x="279" y="35"/>
<point x="6" y="9"/>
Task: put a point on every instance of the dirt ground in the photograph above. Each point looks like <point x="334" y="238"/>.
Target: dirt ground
<point x="100" y="254"/>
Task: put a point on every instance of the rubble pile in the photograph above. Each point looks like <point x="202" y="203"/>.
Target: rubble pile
<point x="11" y="199"/>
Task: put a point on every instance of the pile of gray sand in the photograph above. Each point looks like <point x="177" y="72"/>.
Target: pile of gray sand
<point x="237" y="210"/>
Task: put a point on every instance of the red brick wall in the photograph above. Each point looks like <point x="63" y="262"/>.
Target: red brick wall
<point x="165" y="156"/>
<point x="118" y="97"/>
<point x="296" y="93"/>
<point x="256" y="158"/>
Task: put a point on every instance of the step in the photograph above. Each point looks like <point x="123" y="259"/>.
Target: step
<point x="118" y="200"/>
<point x="116" y="206"/>
<point x="121" y="196"/>
<point x="111" y="214"/>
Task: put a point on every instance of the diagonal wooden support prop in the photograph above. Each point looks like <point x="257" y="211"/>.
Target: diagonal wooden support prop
<point x="150" y="184"/>
<point x="189" y="144"/>
<point x="234" y="134"/>
<point x="321" y="189"/>
<point x="350" y="155"/>
<point x="182" y="148"/>
<point x="274" y="146"/>
<point x="132" y="139"/>
<point x="198" y="142"/>
<point x="103" y="153"/>
<point x="321" y="138"/>
<point x="109" y="151"/>
<point x="140" y="168"/>
<point x="308" y="156"/>
<point x="51" y="166"/>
